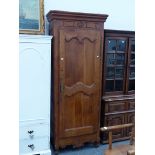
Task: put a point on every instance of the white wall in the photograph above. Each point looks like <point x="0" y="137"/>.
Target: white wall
<point x="121" y="12"/>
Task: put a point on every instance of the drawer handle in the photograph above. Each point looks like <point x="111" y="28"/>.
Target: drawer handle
<point x="31" y="146"/>
<point x="30" y="132"/>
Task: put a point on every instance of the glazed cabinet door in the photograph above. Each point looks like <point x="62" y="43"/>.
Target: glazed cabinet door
<point x="80" y="76"/>
<point x="114" y="65"/>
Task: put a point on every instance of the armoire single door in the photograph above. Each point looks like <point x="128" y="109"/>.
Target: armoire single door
<point x="80" y="78"/>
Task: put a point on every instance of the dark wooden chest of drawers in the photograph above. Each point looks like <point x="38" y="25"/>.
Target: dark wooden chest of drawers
<point x="116" y="110"/>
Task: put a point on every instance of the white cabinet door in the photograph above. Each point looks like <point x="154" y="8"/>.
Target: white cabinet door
<point x="34" y="72"/>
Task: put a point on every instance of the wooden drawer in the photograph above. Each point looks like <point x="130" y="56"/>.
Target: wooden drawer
<point x="33" y="131"/>
<point x="115" y="106"/>
<point x="35" y="145"/>
<point x="116" y="119"/>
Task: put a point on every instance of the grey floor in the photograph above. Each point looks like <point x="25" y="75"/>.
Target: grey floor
<point x="88" y="149"/>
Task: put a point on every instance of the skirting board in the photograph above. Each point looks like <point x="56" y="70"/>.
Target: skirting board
<point x="46" y="152"/>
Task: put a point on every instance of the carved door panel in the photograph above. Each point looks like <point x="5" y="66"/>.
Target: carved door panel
<point x="130" y="119"/>
<point x="116" y="119"/>
<point x="80" y="69"/>
<point x="132" y="105"/>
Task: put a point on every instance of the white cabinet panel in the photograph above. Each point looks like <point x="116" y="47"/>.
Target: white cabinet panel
<point x="34" y="72"/>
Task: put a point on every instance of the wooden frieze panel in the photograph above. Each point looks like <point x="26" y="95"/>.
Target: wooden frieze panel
<point x="115" y="107"/>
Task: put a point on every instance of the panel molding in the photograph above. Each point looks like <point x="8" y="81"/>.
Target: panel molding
<point x="80" y="87"/>
<point x="68" y="38"/>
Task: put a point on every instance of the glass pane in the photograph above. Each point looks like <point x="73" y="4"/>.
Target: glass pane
<point x="132" y="72"/>
<point x="110" y="73"/>
<point x="111" y="45"/>
<point x="132" y="59"/>
<point x="119" y="85"/>
<point x="119" y="72"/>
<point x="131" y="85"/>
<point x="109" y="85"/>
<point x="120" y="58"/>
<point x="121" y="45"/>
<point x="110" y="59"/>
<point x="133" y="45"/>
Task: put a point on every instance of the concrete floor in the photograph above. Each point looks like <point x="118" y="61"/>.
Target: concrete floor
<point x="89" y="149"/>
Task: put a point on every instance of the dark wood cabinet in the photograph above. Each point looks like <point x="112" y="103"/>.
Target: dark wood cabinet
<point x="77" y="72"/>
<point x="118" y="85"/>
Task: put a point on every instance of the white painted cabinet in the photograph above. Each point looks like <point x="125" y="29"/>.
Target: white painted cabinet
<point x="34" y="93"/>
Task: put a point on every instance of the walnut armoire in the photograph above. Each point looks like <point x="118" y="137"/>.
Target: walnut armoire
<point x="77" y="50"/>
